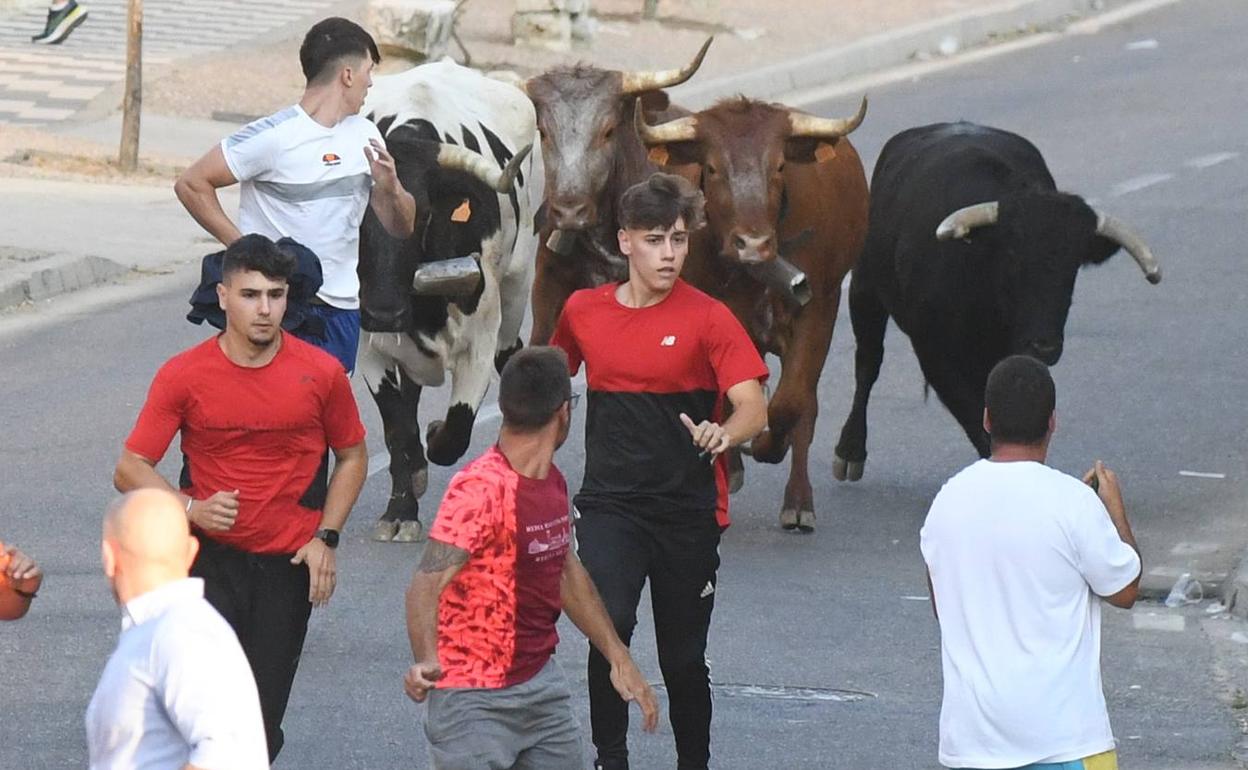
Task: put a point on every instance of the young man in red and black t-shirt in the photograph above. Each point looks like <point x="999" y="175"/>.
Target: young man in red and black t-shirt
<point x="496" y="573"/>
<point x="660" y="357"/>
<point x="256" y="409"/>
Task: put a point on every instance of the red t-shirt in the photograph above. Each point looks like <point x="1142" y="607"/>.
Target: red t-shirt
<point x="262" y="431"/>
<point x="496" y="619"/>
<point x="645" y="366"/>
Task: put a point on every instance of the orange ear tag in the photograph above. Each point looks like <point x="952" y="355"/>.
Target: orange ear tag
<point x="463" y="213"/>
<point x="659" y="155"/>
<point x="824" y="152"/>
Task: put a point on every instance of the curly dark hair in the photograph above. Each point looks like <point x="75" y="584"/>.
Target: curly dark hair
<point x="659" y="201"/>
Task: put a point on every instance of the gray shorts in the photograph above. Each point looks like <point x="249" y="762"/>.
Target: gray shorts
<point x="528" y="726"/>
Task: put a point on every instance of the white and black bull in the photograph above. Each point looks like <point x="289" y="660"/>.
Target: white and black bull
<point x="452" y="296"/>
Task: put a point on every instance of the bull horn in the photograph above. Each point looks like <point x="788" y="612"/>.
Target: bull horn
<point x="639" y="82"/>
<point x="457" y="158"/>
<point x="962" y="221"/>
<point x="1118" y="232"/>
<point x="809" y="126"/>
<point x="508" y="178"/>
<point x="679" y="130"/>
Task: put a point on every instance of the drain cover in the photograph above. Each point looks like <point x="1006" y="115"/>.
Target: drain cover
<point x="780" y="692"/>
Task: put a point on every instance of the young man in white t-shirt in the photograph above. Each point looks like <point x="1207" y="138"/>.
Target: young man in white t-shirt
<point x="308" y="172"/>
<point x="1019" y="556"/>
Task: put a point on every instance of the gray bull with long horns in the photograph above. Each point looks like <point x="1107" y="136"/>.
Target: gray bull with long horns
<point x="591" y="155"/>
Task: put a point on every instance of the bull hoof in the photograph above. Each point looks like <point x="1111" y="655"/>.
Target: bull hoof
<point x="420" y="482"/>
<point x="439" y="450"/>
<point x="409" y="532"/>
<point x="805" y="522"/>
<point x="384" y="531"/>
<point x="846" y="470"/>
<point x="788" y="519"/>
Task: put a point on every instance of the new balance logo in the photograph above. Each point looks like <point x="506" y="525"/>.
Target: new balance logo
<point x="668" y="341"/>
<point x="710" y="589"/>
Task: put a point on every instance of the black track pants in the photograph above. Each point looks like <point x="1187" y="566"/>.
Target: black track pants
<point x="621" y="553"/>
<point x="264" y="598"/>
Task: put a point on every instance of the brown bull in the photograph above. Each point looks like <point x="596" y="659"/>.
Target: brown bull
<point x="592" y="155"/>
<point x="786" y="206"/>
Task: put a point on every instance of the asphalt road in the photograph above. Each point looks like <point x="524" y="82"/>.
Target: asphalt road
<point x="1145" y="117"/>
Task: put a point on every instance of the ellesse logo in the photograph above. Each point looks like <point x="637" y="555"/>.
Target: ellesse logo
<point x="330" y="159"/>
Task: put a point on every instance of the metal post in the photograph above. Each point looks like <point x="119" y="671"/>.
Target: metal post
<point x="132" y="101"/>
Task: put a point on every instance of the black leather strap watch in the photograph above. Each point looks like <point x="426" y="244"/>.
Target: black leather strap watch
<point x="328" y="536"/>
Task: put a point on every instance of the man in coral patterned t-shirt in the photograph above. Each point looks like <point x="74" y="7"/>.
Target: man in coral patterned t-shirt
<point x="496" y="573"/>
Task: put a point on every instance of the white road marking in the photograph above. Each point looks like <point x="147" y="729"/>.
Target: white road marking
<point x="1135" y="184"/>
<point x="1207" y="161"/>
<point x="1099" y="22"/>
<point x="915" y="598"/>
<point x="378" y="463"/>
<point x="1202" y="475"/>
<point x="1142" y="45"/>
<point x="1151" y="621"/>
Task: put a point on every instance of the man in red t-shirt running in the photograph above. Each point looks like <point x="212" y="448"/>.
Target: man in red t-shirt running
<point x="494" y="576"/>
<point x="256" y="409"/>
<point x="660" y="357"/>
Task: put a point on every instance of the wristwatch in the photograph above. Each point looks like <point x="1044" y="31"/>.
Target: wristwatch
<point x="328" y="536"/>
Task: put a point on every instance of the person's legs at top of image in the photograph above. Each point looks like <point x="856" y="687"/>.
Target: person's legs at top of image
<point x="64" y="16"/>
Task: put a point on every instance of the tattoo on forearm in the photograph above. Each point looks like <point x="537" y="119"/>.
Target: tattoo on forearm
<point x="439" y="557"/>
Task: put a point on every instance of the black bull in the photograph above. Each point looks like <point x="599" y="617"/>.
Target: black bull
<point x="974" y="253"/>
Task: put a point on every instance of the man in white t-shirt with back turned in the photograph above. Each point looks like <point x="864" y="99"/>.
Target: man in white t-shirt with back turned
<point x="1019" y="556"/>
<point x="308" y="173"/>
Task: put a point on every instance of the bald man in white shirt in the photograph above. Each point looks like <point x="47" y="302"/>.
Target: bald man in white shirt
<point x="177" y="693"/>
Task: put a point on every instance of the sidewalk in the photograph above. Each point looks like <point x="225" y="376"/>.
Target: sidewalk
<point x="212" y="64"/>
<point x="45" y="84"/>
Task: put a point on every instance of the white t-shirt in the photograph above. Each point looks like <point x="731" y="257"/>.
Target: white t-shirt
<point x="310" y="183"/>
<point x="176" y="691"/>
<point x="1015" y="551"/>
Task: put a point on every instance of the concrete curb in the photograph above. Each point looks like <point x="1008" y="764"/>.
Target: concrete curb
<point x="934" y="39"/>
<point x="1235" y="589"/>
<point x="59" y="276"/>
